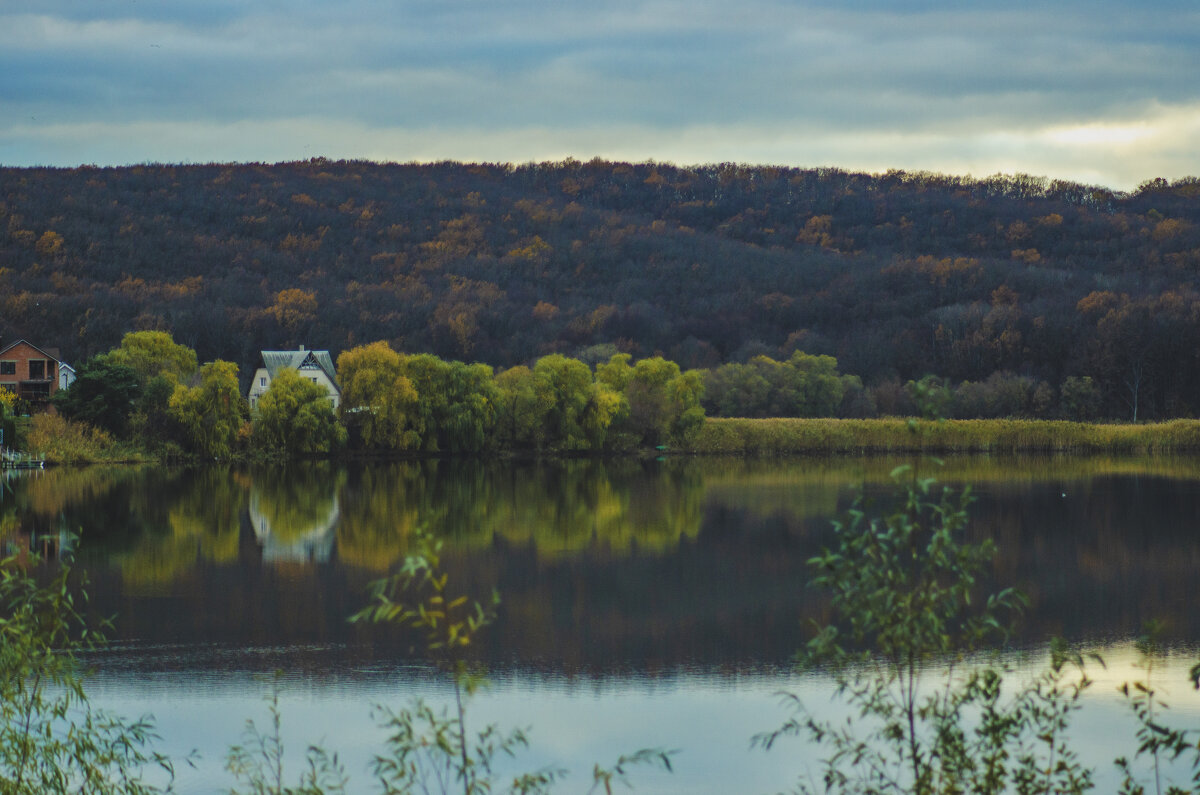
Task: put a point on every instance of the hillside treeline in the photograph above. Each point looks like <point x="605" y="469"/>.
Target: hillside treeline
<point x="1076" y="295"/>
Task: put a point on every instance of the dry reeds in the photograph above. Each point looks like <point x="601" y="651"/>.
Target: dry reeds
<point x="785" y="436"/>
<point x="64" y="442"/>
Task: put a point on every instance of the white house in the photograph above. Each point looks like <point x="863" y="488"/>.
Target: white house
<point x="317" y="366"/>
<point x="66" y="375"/>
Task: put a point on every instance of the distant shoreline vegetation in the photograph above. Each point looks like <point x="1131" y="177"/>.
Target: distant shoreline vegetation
<point x="784" y="436"/>
<point x="151" y="400"/>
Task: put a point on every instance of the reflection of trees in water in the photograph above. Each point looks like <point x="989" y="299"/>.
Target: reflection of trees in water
<point x="203" y="523"/>
<point x="601" y="563"/>
<point x="567" y="507"/>
<point x="1098" y="556"/>
<point x="292" y="512"/>
<point x="557" y="507"/>
<point x="381" y="505"/>
<point x="48" y="493"/>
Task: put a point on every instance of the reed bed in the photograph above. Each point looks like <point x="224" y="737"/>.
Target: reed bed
<point x="64" y="442"/>
<point x="784" y="436"/>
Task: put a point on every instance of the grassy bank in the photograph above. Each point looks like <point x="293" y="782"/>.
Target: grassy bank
<point x="828" y="436"/>
<point x="62" y="442"/>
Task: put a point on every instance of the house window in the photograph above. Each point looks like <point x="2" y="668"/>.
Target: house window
<point x="262" y="381"/>
<point x="37" y="370"/>
<point x="8" y="368"/>
<point x="314" y="380"/>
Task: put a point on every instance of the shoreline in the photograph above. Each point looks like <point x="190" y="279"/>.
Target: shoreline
<point x="785" y="436"/>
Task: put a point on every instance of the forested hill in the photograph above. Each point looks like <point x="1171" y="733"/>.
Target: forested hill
<point x="896" y="275"/>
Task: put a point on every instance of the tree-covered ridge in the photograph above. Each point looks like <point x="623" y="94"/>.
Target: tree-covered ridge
<point x="896" y="275"/>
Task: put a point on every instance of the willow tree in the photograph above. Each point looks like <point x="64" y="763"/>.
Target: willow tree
<point x="212" y="412"/>
<point x="295" y="417"/>
<point x="379" y="402"/>
<point x="659" y="404"/>
<point x="570" y="387"/>
<point x="456" y="409"/>
<point x="523" y="400"/>
<point x="152" y="353"/>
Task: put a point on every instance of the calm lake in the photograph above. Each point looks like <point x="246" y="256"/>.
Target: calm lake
<point x="644" y="603"/>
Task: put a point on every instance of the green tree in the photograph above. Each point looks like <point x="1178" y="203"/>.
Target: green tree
<point x="161" y="364"/>
<point x="523" y="400"/>
<point x="379" y="402"/>
<point x="801" y="386"/>
<point x="103" y="395"/>
<point x="737" y="390"/>
<point x="1080" y="398"/>
<point x="569" y="383"/>
<point x="295" y="417"/>
<point x="603" y="407"/>
<point x="616" y="372"/>
<point x="213" y="412"/>
<point x="817" y="384"/>
<point x="152" y="353"/>
<point x="8" y="425"/>
<point x="456" y="408"/>
<point x="663" y="404"/>
<point x="687" y="390"/>
<point x="151" y="420"/>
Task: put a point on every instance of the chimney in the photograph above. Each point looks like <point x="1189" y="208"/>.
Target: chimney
<point x="302" y="349"/>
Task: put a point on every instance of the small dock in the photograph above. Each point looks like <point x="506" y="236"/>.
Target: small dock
<point x="11" y="459"/>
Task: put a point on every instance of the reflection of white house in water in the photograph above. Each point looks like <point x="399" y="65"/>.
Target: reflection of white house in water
<point x="311" y="543"/>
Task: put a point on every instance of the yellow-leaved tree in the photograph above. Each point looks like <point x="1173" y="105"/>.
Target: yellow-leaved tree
<point x="379" y="403"/>
<point x="211" y="413"/>
<point x="296" y="417"/>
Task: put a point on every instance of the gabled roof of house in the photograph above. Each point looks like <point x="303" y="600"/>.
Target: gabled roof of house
<point x="275" y="361"/>
<point x="50" y="353"/>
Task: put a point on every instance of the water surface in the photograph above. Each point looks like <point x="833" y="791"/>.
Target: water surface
<point x="643" y="602"/>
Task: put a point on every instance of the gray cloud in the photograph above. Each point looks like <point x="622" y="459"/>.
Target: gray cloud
<point x="567" y="73"/>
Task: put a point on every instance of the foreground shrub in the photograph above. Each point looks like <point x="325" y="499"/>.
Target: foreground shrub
<point x="51" y="740"/>
<point x="906" y="615"/>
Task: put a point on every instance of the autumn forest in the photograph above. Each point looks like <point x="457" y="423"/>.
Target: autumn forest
<point x="1025" y="296"/>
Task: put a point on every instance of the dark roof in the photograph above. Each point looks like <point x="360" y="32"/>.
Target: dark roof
<point x="51" y="353"/>
<point x="275" y="361"/>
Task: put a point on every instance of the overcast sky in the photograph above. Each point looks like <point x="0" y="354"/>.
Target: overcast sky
<point x="1096" y="91"/>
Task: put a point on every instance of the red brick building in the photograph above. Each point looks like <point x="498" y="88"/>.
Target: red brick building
<point x="30" y="371"/>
